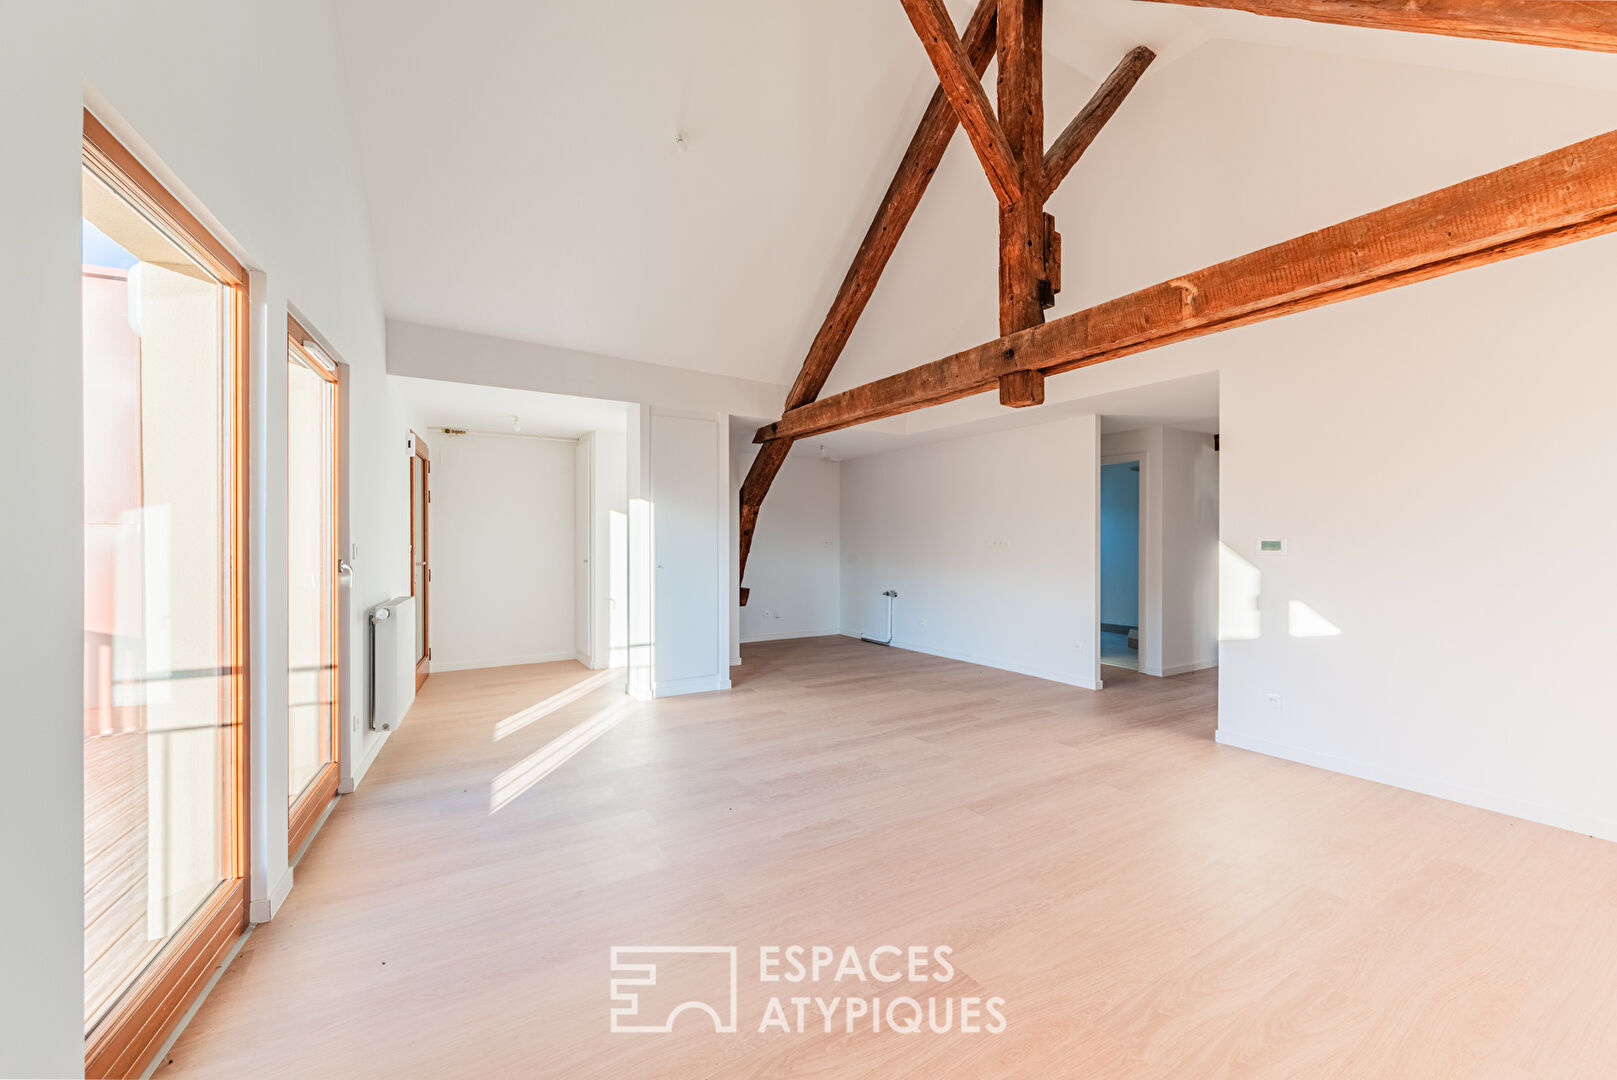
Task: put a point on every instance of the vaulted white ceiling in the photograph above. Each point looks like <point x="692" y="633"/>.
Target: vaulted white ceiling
<point x="684" y="183"/>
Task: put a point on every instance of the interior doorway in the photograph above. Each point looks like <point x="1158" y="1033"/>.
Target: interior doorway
<point x="420" y="560"/>
<point x="1121" y="533"/>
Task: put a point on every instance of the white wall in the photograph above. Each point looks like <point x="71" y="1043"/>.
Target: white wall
<point x="263" y="148"/>
<point x="1465" y="560"/>
<point x="992" y="542"/>
<point x="794" y="568"/>
<point x="503" y="567"/>
<point x="41" y="664"/>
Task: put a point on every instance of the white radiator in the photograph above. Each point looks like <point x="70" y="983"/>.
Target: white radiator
<point x="392" y="662"/>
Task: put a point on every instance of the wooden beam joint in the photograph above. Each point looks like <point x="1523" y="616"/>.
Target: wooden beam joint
<point x="1021" y="389"/>
<point x="1050" y="280"/>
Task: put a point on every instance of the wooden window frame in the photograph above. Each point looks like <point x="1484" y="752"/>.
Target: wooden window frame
<point x="304" y="811"/>
<point x="130" y="1034"/>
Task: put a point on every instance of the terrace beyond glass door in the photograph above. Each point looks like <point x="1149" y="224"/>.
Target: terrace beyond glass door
<point x="312" y="601"/>
<point x="164" y="578"/>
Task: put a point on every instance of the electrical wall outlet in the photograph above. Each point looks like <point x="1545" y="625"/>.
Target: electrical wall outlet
<point x="1273" y="700"/>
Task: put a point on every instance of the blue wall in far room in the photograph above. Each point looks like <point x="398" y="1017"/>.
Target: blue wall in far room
<point x="1120" y="544"/>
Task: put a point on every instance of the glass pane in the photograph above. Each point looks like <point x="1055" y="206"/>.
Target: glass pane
<point x="159" y="688"/>
<point x="312" y="573"/>
<point x="418" y="552"/>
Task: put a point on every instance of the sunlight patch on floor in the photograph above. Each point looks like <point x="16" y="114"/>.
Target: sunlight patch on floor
<point x="519" y="778"/>
<point x="517" y="721"/>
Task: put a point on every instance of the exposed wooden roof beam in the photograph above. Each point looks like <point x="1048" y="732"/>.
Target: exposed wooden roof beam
<point x="1557" y="198"/>
<point x="903" y="195"/>
<point x="1530" y="22"/>
<point x="957" y="76"/>
<point x="1021" y="113"/>
<point x="1072" y="142"/>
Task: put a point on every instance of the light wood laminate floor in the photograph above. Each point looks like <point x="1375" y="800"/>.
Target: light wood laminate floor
<point x="1148" y="904"/>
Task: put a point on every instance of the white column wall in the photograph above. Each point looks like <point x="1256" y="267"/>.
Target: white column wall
<point x="689" y="483"/>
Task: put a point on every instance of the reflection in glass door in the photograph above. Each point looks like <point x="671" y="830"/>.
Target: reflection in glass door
<point x="164" y="639"/>
<point x="313" y="629"/>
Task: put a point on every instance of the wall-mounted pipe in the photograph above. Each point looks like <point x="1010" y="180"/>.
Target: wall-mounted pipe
<point x="891" y="594"/>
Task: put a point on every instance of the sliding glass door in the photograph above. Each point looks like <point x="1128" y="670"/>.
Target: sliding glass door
<point x="420" y="556"/>
<point x="313" y="637"/>
<point x="164" y="469"/>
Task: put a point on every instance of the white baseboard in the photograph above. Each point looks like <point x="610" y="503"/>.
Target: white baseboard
<point x="367" y="758"/>
<point x="262" y="911"/>
<point x="506" y="661"/>
<point x="700" y="685"/>
<point x="967" y="658"/>
<point x="1179" y="669"/>
<point x="786" y="635"/>
<point x="1554" y="816"/>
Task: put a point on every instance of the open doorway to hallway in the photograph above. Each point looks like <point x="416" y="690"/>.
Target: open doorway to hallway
<point x="528" y="533"/>
<point x="1120" y="564"/>
<point x="1158" y="520"/>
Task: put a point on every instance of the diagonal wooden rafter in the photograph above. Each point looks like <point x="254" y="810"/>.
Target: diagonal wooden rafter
<point x="903" y="195"/>
<point x="1078" y="135"/>
<point x="964" y="87"/>
<point x="1566" y="25"/>
<point x="1553" y="199"/>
